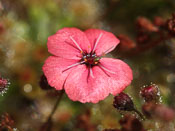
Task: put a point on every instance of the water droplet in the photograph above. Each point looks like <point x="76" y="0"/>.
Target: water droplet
<point x="27" y="88"/>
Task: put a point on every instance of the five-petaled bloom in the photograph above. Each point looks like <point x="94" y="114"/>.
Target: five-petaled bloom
<point x="78" y="66"/>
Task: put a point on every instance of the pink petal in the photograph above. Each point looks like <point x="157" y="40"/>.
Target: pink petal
<point x="63" y="43"/>
<point x="80" y="86"/>
<point x="107" y="41"/>
<point x="122" y="75"/>
<point x="54" y="71"/>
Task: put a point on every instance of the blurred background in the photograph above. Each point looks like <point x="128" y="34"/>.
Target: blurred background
<point x="147" y="45"/>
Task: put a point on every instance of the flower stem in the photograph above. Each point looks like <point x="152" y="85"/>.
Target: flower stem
<point x="48" y="124"/>
<point x="140" y="114"/>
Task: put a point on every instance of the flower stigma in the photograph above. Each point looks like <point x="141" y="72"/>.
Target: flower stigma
<point x="90" y="59"/>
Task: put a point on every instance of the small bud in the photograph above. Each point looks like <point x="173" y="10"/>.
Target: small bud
<point x="123" y="102"/>
<point x="44" y="84"/>
<point x="146" y="25"/>
<point x="3" y="86"/>
<point x="150" y="93"/>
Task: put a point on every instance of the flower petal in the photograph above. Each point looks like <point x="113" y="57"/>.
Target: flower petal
<point x="68" y="43"/>
<point x="80" y="86"/>
<point x="105" y="41"/>
<point x="54" y="71"/>
<point x="121" y="75"/>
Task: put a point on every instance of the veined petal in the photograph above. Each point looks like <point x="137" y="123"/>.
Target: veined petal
<point x="54" y="70"/>
<point x="101" y="40"/>
<point x="68" y="43"/>
<point x="120" y="74"/>
<point x="80" y="86"/>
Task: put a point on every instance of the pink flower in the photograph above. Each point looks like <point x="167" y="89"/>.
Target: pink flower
<point x="78" y="66"/>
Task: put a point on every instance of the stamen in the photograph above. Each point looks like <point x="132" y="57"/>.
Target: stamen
<point x="97" y="41"/>
<point x="91" y="72"/>
<point x="73" y="65"/>
<point x="76" y="44"/>
<point x="96" y="63"/>
<point x="104" y="68"/>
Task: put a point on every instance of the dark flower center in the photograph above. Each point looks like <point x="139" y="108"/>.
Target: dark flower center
<point x="90" y="59"/>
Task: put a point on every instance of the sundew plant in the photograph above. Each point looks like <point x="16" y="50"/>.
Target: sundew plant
<point x="87" y="65"/>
